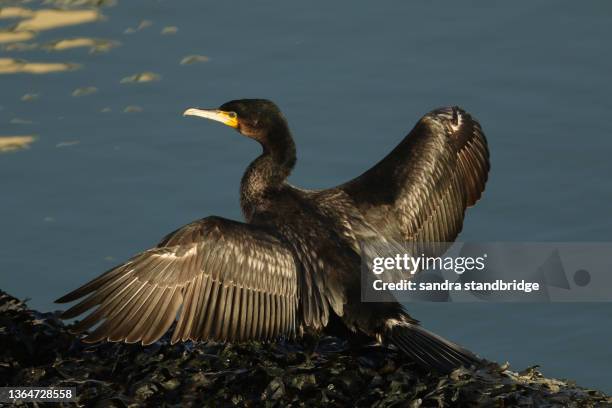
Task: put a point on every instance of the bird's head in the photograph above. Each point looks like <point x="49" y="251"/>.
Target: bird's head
<point x="259" y="119"/>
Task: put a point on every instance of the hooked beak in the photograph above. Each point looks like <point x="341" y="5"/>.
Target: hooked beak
<point x="227" y="118"/>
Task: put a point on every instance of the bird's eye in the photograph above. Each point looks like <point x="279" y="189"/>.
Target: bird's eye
<point x="232" y="115"/>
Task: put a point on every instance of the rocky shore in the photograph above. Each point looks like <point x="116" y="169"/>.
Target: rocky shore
<point x="37" y="349"/>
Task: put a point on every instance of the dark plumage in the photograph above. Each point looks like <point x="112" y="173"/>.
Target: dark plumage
<point x="295" y="264"/>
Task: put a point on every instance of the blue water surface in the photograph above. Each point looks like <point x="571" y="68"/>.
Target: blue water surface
<point x="100" y="184"/>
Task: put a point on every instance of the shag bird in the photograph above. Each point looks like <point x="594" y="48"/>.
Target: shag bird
<point x="294" y="265"/>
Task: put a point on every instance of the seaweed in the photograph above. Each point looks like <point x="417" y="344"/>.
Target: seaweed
<point x="37" y="349"/>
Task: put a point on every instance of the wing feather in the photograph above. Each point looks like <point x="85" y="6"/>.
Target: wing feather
<point x="221" y="279"/>
<point x="139" y="328"/>
<point x="419" y="192"/>
<point x="209" y="305"/>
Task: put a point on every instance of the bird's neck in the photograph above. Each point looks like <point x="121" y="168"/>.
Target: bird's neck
<point x="267" y="174"/>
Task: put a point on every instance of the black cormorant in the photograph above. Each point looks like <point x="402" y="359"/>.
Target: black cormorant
<point x="295" y="264"/>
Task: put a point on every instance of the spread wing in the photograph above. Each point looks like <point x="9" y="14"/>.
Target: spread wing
<point x="224" y="280"/>
<point x="419" y="192"/>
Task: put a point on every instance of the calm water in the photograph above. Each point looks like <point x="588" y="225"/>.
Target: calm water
<point x="100" y="184"/>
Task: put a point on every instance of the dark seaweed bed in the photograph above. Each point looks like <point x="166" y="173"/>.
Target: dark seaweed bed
<point x="36" y="349"/>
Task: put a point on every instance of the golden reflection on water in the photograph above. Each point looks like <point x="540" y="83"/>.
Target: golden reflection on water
<point x="30" y="22"/>
<point x="25" y="28"/>
<point x="84" y="91"/>
<point x="15" y="12"/>
<point x="141" y="77"/>
<point x="94" y="45"/>
<point x="11" y="143"/>
<point x="169" y="30"/>
<point x="133" y="109"/>
<point x="29" y="97"/>
<point x="67" y="143"/>
<point x="15" y="66"/>
<point x="21" y="26"/>
<point x="192" y="59"/>
<point x="15" y="36"/>
<point x="41" y="20"/>
<point x="141" y="26"/>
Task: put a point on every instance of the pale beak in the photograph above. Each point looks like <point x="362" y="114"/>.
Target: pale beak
<point x="227" y="118"/>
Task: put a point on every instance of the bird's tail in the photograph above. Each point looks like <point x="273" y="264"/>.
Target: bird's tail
<point x="428" y="349"/>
